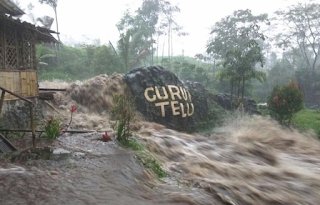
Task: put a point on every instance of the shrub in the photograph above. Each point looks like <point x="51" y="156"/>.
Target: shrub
<point x="285" y="101"/>
<point x="52" y="128"/>
<point x="124" y="113"/>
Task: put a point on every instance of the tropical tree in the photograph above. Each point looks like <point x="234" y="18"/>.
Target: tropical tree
<point x="169" y="22"/>
<point x="235" y="41"/>
<point x="300" y="35"/>
<point x="105" y="61"/>
<point x="53" y="4"/>
<point x="233" y="32"/>
<point x="41" y="56"/>
<point x="148" y="15"/>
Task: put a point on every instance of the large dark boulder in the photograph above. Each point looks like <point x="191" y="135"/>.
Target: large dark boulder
<point x="224" y="100"/>
<point x="199" y="98"/>
<point x="163" y="98"/>
<point x="185" y="106"/>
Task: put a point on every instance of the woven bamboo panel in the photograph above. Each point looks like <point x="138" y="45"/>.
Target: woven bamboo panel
<point x="10" y="81"/>
<point x="29" y="84"/>
<point x="19" y="82"/>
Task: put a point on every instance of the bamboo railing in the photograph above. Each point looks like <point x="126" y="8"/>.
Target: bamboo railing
<point x="30" y="107"/>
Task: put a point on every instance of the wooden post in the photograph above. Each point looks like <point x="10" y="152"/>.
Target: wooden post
<point x="1" y="102"/>
<point x="32" y="125"/>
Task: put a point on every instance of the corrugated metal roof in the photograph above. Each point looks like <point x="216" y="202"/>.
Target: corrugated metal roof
<point x="44" y="35"/>
<point x="8" y="7"/>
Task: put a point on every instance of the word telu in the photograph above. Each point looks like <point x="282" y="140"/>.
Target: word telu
<point x="152" y="94"/>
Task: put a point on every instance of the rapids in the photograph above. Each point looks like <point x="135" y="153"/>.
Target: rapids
<point x="250" y="160"/>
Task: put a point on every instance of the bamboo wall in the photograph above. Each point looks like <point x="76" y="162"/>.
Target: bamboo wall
<point x="24" y="83"/>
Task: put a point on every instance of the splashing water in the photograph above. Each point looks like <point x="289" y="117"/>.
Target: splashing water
<point x="251" y="160"/>
<point x="12" y="170"/>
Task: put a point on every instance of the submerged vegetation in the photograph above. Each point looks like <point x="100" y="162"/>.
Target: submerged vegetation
<point x="124" y="114"/>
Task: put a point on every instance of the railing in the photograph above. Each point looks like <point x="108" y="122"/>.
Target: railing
<point x="4" y="91"/>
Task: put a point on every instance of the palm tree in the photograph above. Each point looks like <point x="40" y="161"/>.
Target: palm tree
<point x="133" y="49"/>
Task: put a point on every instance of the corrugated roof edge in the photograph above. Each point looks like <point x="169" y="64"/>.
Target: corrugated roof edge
<point x="42" y="31"/>
<point x="11" y="8"/>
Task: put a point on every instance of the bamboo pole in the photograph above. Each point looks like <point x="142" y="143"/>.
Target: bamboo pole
<point x="51" y="106"/>
<point x="32" y="125"/>
<point x="64" y="131"/>
<point x="1" y="102"/>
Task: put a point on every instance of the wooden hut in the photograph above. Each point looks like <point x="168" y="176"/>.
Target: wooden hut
<point x="18" y="62"/>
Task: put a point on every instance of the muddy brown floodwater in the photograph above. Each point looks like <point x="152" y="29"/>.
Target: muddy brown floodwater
<point x="106" y="174"/>
<point x="251" y="160"/>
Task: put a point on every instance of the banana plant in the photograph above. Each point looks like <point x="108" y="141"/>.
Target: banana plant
<point x="41" y="56"/>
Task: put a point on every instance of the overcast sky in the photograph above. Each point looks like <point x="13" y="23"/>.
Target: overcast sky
<point x="97" y="18"/>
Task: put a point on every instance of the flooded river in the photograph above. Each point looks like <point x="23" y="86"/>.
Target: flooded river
<point x="257" y="163"/>
<point x="249" y="161"/>
<point x="106" y="174"/>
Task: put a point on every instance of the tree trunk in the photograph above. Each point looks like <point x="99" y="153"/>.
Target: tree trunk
<point x="239" y="88"/>
<point x="169" y="42"/>
<point x="231" y="94"/>
<point x="214" y="68"/>
<point x="164" y="43"/>
<point x="151" y="49"/>
<point x="242" y="89"/>
<point x="57" y="25"/>
<point x="171" y="45"/>
<point x="158" y="50"/>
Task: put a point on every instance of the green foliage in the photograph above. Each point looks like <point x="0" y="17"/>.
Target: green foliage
<point x="105" y="61"/>
<point x="78" y="63"/>
<point x="52" y="128"/>
<point x="145" y="157"/>
<point x="300" y="37"/>
<point x="41" y="56"/>
<point x="308" y="119"/>
<point x="235" y="32"/>
<point x="124" y="113"/>
<point x="215" y="118"/>
<point x="151" y="163"/>
<point x="239" y="48"/>
<point x="285" y="101"/>
<point x="133" y="144"/>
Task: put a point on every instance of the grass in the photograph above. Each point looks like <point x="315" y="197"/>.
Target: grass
<point x="304" y="120"/>
<point x="133" y="144"/>
<point x="308" y="119"/>
<point x="144" y="157"/>
<point x="150" y="163"/>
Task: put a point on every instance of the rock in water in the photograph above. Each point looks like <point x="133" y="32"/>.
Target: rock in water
<point x="60" y="151"/>
<point x="224" y="100"/>
<point x="163" y="98"/>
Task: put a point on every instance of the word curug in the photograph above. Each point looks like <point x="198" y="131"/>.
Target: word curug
<point x="152" y="94"/>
